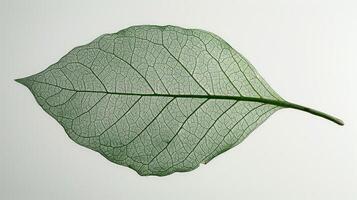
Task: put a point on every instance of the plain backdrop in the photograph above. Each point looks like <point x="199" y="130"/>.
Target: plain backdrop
<point x="305" y="49"/>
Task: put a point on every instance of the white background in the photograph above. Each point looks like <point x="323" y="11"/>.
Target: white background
<point x="305" y="49"/>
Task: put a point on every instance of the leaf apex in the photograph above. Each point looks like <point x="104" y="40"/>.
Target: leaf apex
<point x="22" y="81"/>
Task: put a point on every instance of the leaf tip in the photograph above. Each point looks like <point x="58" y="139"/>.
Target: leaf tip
<point x="22" y="81"/>
<point x="19" y="80"/>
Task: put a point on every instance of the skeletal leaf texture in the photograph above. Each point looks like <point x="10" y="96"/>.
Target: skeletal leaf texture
<point x="157" y="99"/>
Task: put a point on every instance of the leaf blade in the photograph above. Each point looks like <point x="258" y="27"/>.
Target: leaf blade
<point x="156" y="99"/>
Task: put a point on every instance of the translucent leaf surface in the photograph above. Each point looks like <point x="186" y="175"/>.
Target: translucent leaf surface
<point x="158" y="99"/>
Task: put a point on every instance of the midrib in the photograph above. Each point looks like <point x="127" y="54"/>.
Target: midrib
<point x="283" y="104"/>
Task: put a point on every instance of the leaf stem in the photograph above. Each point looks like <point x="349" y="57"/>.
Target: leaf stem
<point x="312" y="111"/>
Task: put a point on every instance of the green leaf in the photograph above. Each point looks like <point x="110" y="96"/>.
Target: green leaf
<point x="158" y="99"/>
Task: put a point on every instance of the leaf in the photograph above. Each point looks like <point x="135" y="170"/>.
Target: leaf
<point x="158" y="99"/>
